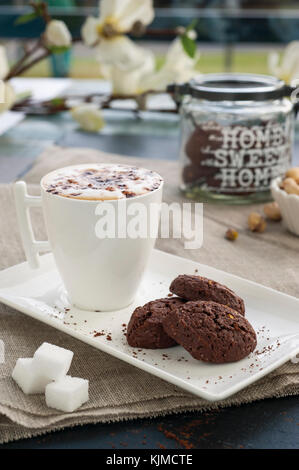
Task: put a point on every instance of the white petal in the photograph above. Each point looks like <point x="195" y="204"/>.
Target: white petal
<point x="111" y="8"/>
<point x="89" y="31"/>
<point x="159" y="81"/>
<point x="136" y="10"/>
<point x="57" y="34"/>
<point x="177" y="57"/>
<point x="294" y="77"/>
<point x="290" y="57"/>
<point x="273" y="61"/>
<point x="123" y="53"/>
<point x="122" y="82"/>
<point x="89" y="117"/>
<point x="289" y="63"/>
<point x="178" y="68"/>
<point x="128" y="81"/>
<point x="192" y="34"/>
<point x="4" y="67"/>
<point x="124" y="13"/>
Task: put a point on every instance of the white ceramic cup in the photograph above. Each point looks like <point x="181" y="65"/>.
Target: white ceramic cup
<point x="98" y="273"/>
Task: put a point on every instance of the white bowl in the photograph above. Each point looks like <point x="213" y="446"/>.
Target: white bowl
<point x="289" y="206"/>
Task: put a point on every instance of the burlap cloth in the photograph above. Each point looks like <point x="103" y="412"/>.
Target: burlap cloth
<point x="119" y="391"/>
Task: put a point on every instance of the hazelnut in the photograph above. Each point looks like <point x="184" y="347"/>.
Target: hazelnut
<point x="231" y="234"/>
<point x="256" y="222"/>
<point x="293" y="173"/>
<point x="290" y="186"/>
<point x="272" y="211"/>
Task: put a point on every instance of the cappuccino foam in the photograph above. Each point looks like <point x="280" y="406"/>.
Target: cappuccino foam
<point x="100" y="182"/>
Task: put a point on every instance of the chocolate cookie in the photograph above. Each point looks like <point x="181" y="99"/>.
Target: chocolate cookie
<point x="145" y="327"/>
<point x="200" y="288"/>
<point x="211" y="332"/>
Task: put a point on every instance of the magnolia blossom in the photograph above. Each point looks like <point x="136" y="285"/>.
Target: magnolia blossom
<point x="124" y="64"/>
<point x="286" y="68"/>
<point x="131" y="68"/>
<point x="116" y="17"/>
<point x="88" y="116"/>
<point x="57" y="34"/>
<point x="179" y="67"/>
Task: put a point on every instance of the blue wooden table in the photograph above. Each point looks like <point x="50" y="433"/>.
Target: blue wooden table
<point x="266" y="424"/>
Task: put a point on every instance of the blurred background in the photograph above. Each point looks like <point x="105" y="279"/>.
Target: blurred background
<point x="233" y="35"/>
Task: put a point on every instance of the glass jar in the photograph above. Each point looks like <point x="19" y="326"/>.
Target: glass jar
<point x="236" y="136"/>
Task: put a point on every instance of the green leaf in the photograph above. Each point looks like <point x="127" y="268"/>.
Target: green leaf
<point x="57" y="102"/>
<point x="189" y="45"/>
<point x="26" y="18"/>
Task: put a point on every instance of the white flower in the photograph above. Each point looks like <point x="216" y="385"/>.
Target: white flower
<point x="9" y="97"/>
<point x="88" y="116"/>
<point x="4" y="67"/>
<point x="118" y="17"/>
<point x="57" y="34"/>
<point x="122" y="62"/>
<point x="287" y="68"/>
<point x="125" y="64"/>
<point x="131" y="68"/>
<point x="179" y="67"/>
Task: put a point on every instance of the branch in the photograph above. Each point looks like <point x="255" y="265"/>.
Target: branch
<point x="28" y="66"/>
<point x="59" y="104"/>
<point x="41" y="9"/>
<point x="14" y="69"/>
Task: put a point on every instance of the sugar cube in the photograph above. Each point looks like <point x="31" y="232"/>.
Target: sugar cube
<point x="28" y="378"/>
<point x="52" y="361"/>
<point x="67" y="394"/>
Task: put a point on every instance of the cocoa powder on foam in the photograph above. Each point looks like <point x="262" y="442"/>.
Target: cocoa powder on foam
<point x="101" y="182"/>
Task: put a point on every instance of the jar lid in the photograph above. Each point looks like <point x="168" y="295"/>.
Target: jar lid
<point x="233" y="87"/>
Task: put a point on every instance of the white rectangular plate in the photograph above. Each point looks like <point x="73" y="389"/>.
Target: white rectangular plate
<point x="275" y="317"/>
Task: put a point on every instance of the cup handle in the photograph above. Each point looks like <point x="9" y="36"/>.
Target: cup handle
<point x="31" y="246"/>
